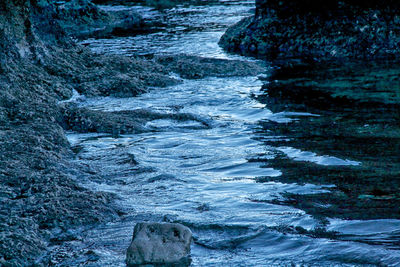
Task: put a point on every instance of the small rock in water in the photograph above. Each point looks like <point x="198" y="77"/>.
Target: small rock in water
<point x="161" y="177"/>
<point x="166" y="244"/>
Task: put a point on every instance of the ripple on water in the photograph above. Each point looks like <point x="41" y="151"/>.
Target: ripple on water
<point x="193" y="30"/>
<point x="204" y="177"/>
<point x="299" y="155"/>
<point x="188" y="168"/>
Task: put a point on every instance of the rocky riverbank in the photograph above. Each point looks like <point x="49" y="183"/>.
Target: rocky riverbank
<point x="42" y="201"/>
<point x="337" y="30"/>
<point x="83" y="19"/>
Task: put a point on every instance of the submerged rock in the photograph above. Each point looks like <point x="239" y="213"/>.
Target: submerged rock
<point x="194" y="67"/>
<point x="119" y="122"/>
<point x="166" y="244"/>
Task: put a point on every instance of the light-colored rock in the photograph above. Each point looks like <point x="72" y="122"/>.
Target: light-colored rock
<point x="166" y="244"/>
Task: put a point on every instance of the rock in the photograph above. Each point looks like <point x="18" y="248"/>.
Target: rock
<point x="160" y="243"/>
<point x="195" y="67"/>
<point x="83" y="19"/>
<point x="335" y="30"/>
<point x="39" y="186"/>
<point x="119" y="122"/>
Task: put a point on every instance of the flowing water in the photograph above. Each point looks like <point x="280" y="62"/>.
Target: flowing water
<point x="205" y="176"/>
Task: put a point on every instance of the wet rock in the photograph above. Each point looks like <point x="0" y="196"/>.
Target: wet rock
<point x="83" y="19"/>
<point x="88" y="20"/>
<point x="203" y="207"/>
<point x="116" y="75"/>
<point x="311" y="32"/>
<point x="161" y="177"/>
<point x="120" y="122"/>
<point x="194" y="67"/>
<point x="166" y="244"/>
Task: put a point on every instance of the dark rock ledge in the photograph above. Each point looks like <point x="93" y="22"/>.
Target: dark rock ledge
<point x="313" y="31"/>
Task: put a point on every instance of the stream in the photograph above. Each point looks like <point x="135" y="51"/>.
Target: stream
<point x="207" y="177"/>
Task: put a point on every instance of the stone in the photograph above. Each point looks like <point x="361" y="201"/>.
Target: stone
<point x="166" y="244"/>
<point x="317" y="32"/>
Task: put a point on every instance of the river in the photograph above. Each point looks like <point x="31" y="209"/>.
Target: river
<point x="207" y="177"/>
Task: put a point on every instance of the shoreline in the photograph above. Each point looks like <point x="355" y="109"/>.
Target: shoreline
<point x="43" y="202"/>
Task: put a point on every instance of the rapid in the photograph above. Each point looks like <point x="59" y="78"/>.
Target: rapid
<point x="206" y="173"/>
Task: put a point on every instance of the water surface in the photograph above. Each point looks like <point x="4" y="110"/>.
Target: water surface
<point x="208" y="177"/>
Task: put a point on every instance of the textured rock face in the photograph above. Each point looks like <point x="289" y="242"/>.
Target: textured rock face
<point x="159" y="244"/>
<point x="82" y="19"/>
<point x="16" y="34"/>
<point x="321" y="6"/>
<point x="316" y="31"/>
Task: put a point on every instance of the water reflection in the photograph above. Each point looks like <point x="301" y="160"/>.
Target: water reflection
<point x="242" y="185"/>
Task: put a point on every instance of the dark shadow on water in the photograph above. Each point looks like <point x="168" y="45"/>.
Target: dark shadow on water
<point x="359" y="108"/>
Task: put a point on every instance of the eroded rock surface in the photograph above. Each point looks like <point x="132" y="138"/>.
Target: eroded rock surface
<point x="119" y="122"/>
<point x="166" y="244"/>
<point x="82" y="19"/>
<point x="315" y="31"/>
<point x="193" y="67"/>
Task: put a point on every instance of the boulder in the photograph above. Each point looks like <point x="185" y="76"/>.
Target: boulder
<point x="314" y="32"/>
<point x="166" y="244"/>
